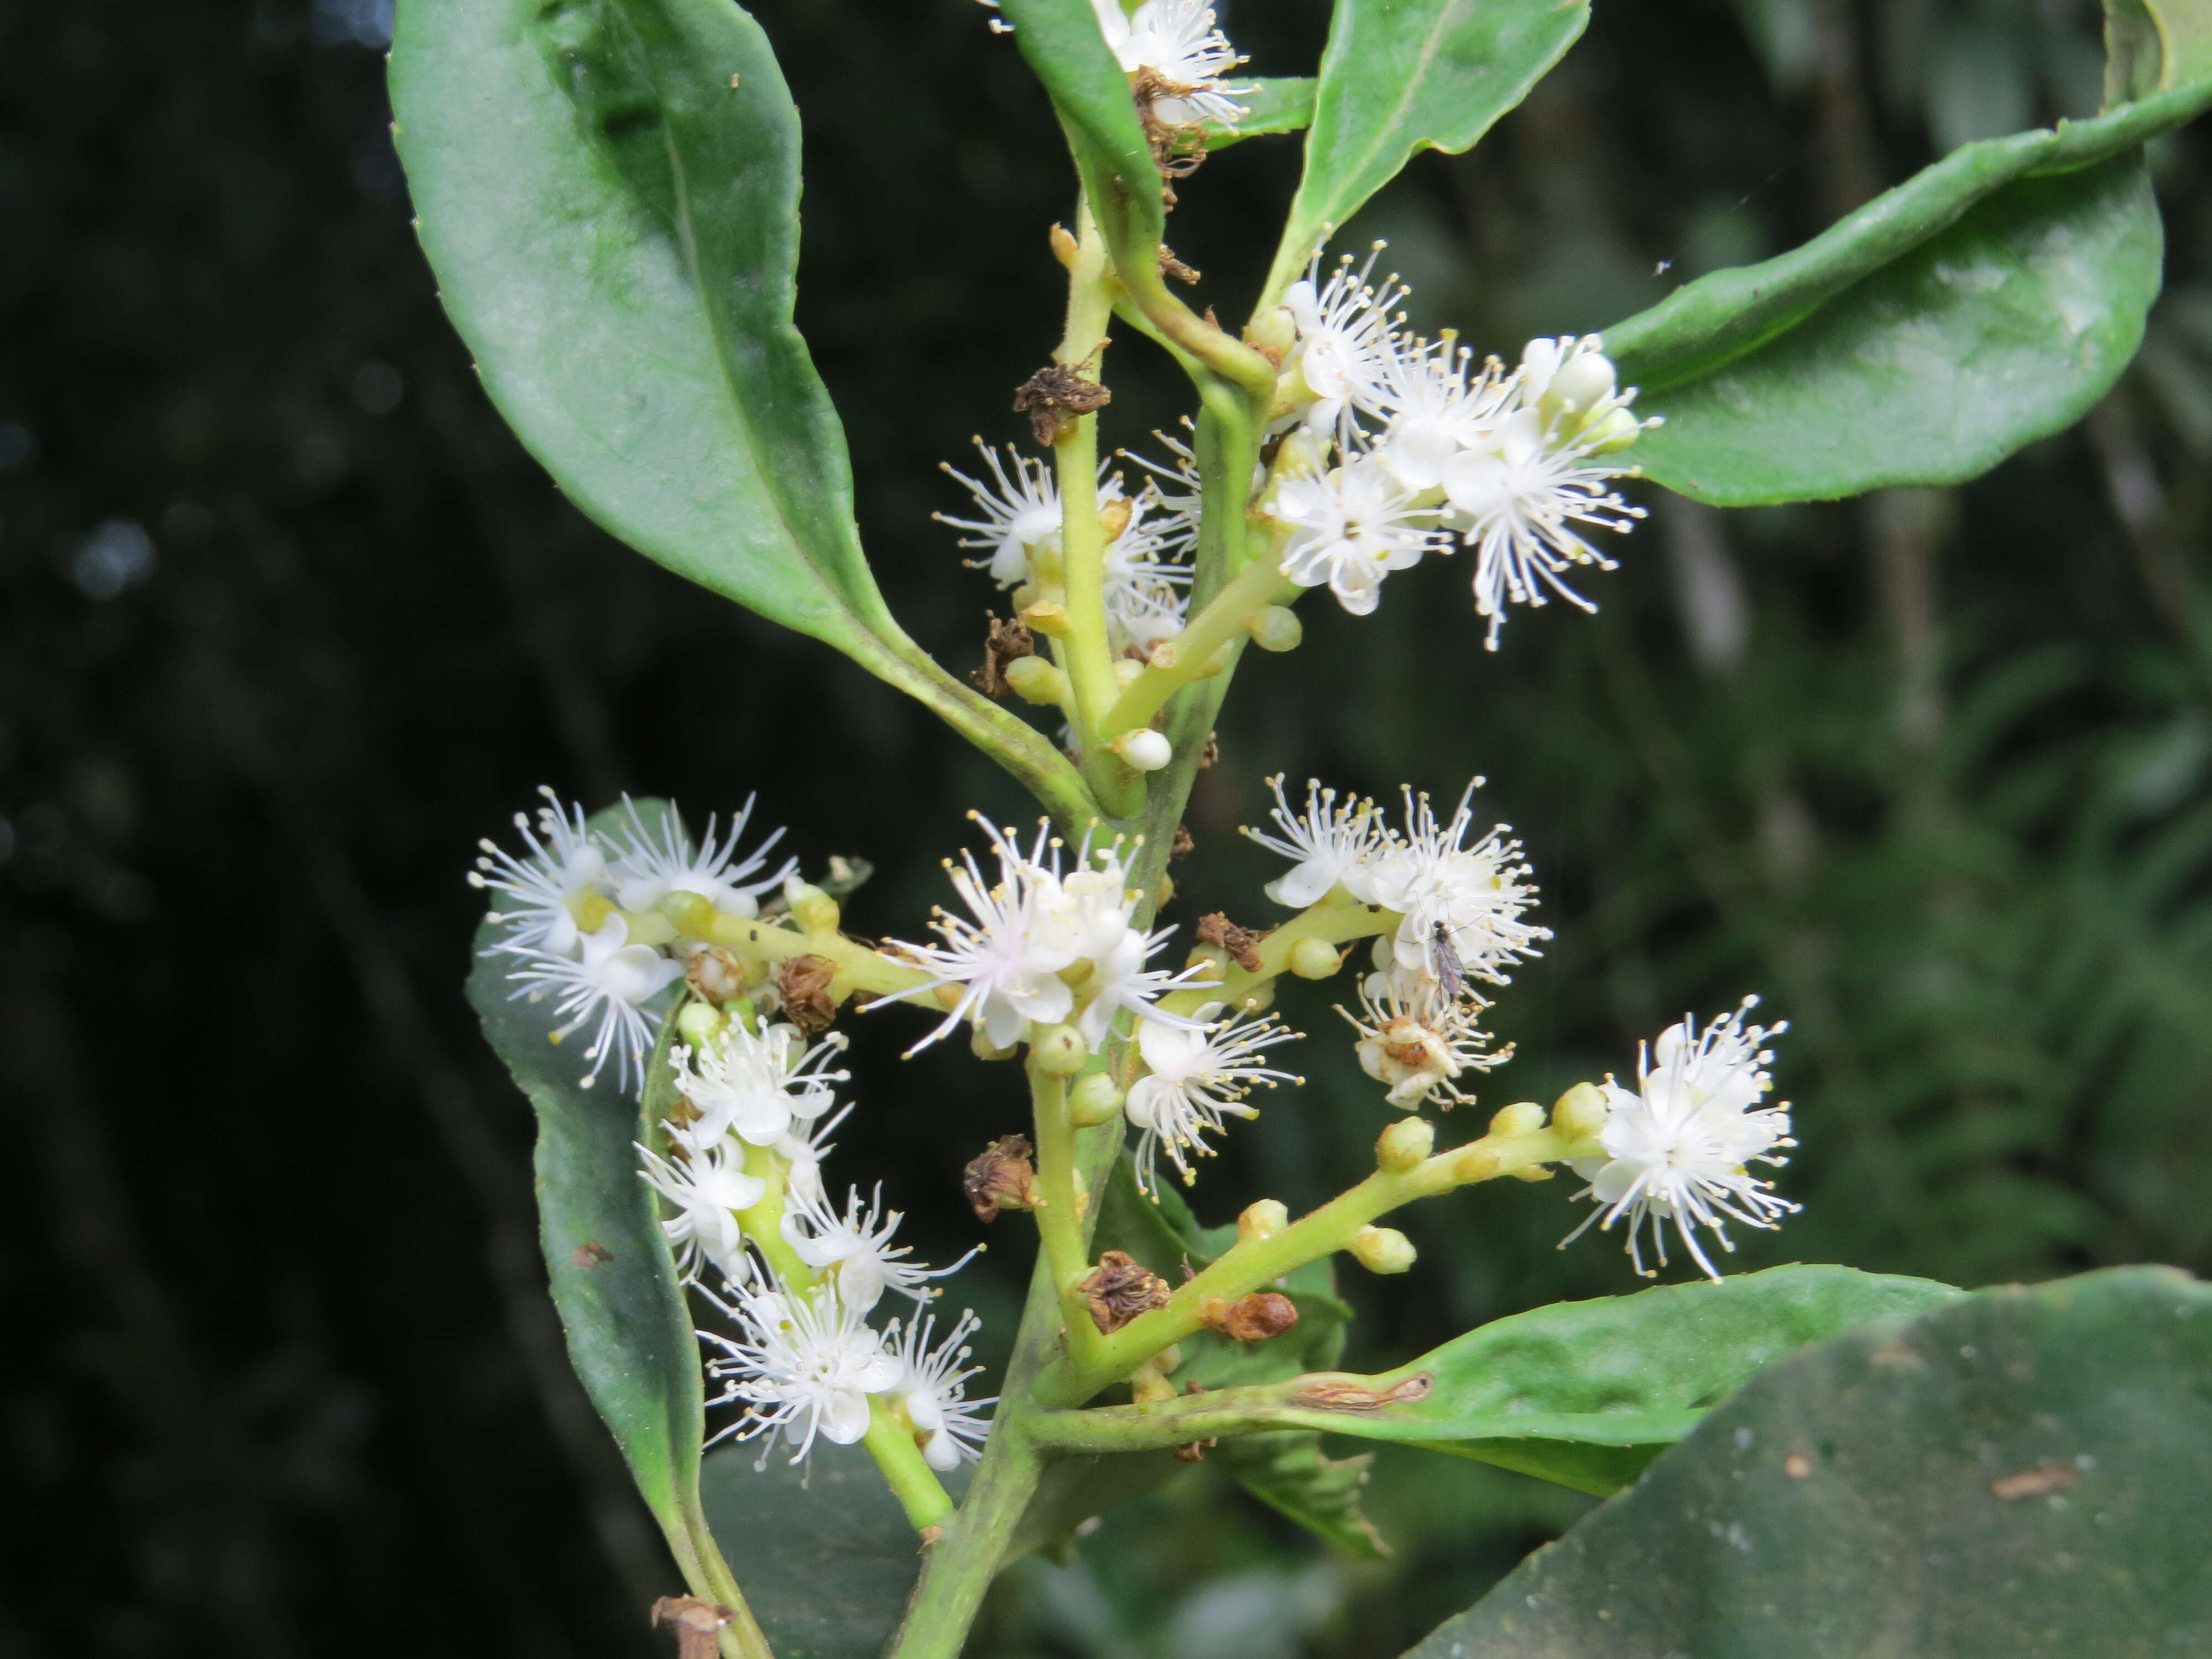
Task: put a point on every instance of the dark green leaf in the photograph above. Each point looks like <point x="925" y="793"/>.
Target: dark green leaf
<point x="628" y="1331"/>
<point x="2018" y="1472"/>
<point x="1275" y="104"/>
<point x="1585" y="1394"/>
<point x="827" y="1556"/>
<point x="1401" y="75"/>
<point x="1290" y="1474"/>
<point x="2001" y="330"/>
<point x="609" y="192"/>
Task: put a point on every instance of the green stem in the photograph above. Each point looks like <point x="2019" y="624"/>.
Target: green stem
<point x="1335" y="921"/>
<point x="710" y="1578"/>
<point x="1317" y="1401"/>
<point x="1191" y="655"/>
<point x="915" y="1485"/>
<point x="1085" y="652"/>
<point x="1059" y="1208"/>
<point x="1253" y="1262"/>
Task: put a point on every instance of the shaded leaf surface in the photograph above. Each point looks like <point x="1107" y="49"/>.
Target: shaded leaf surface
<point x="2017" y="1471"/>
<point x="1276" y="104"/>
<point x="1402" y="76"/>
<point x="2003" y="329"/>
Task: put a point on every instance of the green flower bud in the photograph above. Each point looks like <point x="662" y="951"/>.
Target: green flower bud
<point x="1277" y="627"/>
<point x="814" y="910"/>
<point x="1382" y="1249"/>
<point x="1404" y="1144"/>
<point x="1314" y="958"/>
<point x="1144" y="748"/>
<point x="1036" y="679"/>
<point x="1058" y="1050"/>
<point x="980" y="1045"/>
<point x="1097" y="1099"/>
<point x="1262" y="1218"/>
<point x="1512" y="1122"/>
<point x="1581" y="1113"/>
<point x="699" y="1024"/>
<point x="1615" y="432"/>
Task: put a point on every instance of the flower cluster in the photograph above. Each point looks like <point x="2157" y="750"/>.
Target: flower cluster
<point x="1194" y="1075"/>
<point x="1044" y="947"/>
<point x="1148" y="535"/>
<point x="1459" y="908"/>
<point x="583" y="913"/>
<point x="1173" y="46"/>
<point x="1395" y="447"/>
<point x="1678" y="1149"/>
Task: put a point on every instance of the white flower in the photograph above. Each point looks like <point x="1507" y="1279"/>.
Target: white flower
<point x="804" y="1153"/>
<point x="856" y="1247"/>
<point x="1328" y="843"/>
<point x="613" y="979"/>
<point x="1146" y="588"/>
<point x="1177" y="41"/>
<point x="650" y="864"/>
<point x="1347" y="346"/>
<point x="1418" y="1040"/>
<point x="802" y="1363"/>
<point x="754" y="1084"/>
<point x="1435" y="409"/>
<point x="708" y="1187"/>
<point x="1008" y="959"/>
<point x="930" y="1390"/>
<point x="1351" y="527"/>
<point x="1021" y="515"/>
<point x="1518" y="496"/>
<point x="1119" y="981"/>
<point x="1460" y="905"/>
<point x="1195" y="1074"/>
<point x="563" y="867"/>
<point x="1677" y="1150"/>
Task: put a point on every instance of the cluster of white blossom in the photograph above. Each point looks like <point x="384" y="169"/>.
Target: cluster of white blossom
<point x="1176" y="43"/>
<point x="581" y="914"/>
<point x="1459" y="908"/>
<point x="1148" y="535"/>
<point x="1394" y="446"/>
<point x="1679" y="1148"/>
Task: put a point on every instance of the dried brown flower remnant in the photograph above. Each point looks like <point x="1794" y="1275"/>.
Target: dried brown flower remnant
<point x="1001" y="1176"/>
<point x="1241" y="943"/>
<point x="803" y="984"/>
<point x="697" y="1625"/>
<point x="1054" y="395"/>
<point x="1182" y="845"/>
<point x="1253" y="1318"/>
<point x="1120" y="1288"/>
<point x="1007" y="641"/>
<point x="1172" y="266"/>
<point x="1178" y="147"/>
<point x="1210" y="753"/>
<point x="715" y="975"/>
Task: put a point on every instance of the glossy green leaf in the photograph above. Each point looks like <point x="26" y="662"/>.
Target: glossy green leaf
<point x="1402" y="76"/>
<point x="2018" y="1472"/>
<point x="628" y="1332"/>
<point x="827" y="1556"/>
<point x="2003" y="329"/>
<point x="2155" y="46"/>
<point x="1276" y="104"/>
<point x="608" y="191"/>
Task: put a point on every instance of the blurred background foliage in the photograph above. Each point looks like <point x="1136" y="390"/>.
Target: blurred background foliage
<point x="290" y="621"/>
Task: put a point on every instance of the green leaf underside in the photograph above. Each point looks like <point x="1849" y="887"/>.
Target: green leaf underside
<point x="629" y="1333"/>
<point x="1276" y="104"/>
<point x="827" y="1557"/>
<point x="608" y="191"/>
<point x="1401" y="75"/>
<point x="2003" y="328"/>
<point x="2014" y="1473"/>
<point x="2154" y="45"/>
<point x="1584" y="1394"/>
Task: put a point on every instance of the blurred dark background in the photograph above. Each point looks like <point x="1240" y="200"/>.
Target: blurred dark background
<point x="290" y="621"/>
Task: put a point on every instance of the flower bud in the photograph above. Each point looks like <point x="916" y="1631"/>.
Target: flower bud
<point x="1113" y="517"/>
<point x="1583" y="380"/>
<point x="1095" y="1100"/>
<point x="1474" y="1163"/>
<point x="1149" y="1388"/>
<point x="980" y="1045"/>
<point x="1046" y="617"/>
<point x="1036" y="679"/>
<point x="1262" y="1218"/>
<point x="1127" y="672"/>
<point x="1254" y="1318"/>
<point x="1382" y="1249"/>
<point x="1167" y="1359"/>
<point x="1276" y="627"/>
<point x="1512" y="1122"/>
<point x="1144" y="748"/>
<point x="1615" y="432"/>
<point x="1273" y="332"/>
<point x="1314" y="958"/>
<point x="812" y="909"/>
<point x="699" y="1024"/>
<point x="1404" y="1144"/>
<point x="1058" y="1050"/>
<point x="1581" y="1113"/>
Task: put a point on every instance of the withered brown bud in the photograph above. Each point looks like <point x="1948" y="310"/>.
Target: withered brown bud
<point x="1241" y="943"/>
<point x="1194" y="1451"/>
<point x="715" y="975"/>
<point x="1182" y="845"/>
<point x="1120" y="1288"/>
<point x="1210" y="753"/>
<point x="1253" y="1318"/>
<point x="1172" y="266"/>
<point x="1002" y="1175"/>
<point x="803" y="982"/>
<point x="1054" y="395"/>
<point x="697" y="1625"/>
<point x="1177" y="147"/>
<point x="1007" y="641"/>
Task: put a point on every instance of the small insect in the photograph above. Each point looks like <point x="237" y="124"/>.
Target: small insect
<point x="1445" y="956"/>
